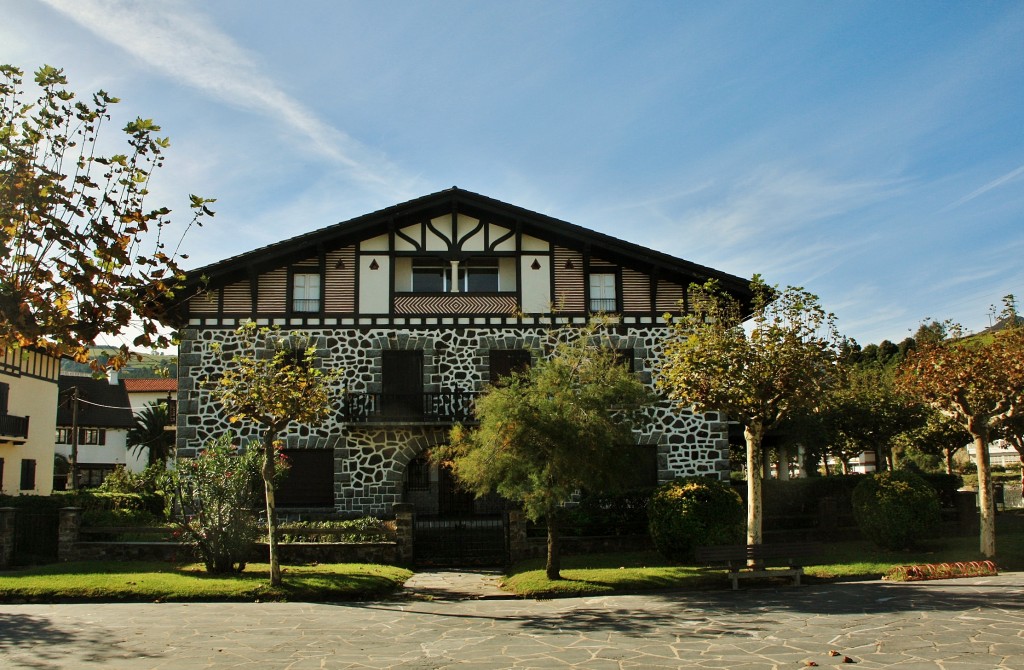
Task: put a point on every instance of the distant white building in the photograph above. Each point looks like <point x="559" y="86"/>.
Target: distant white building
<point x="1000" y="454"/>
<point x="104" y="415"/>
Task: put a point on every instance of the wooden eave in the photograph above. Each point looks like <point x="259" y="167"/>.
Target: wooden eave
<point x="558" y="232"/>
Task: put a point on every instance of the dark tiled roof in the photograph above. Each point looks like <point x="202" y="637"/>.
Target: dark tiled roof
<point x="435" y="204"/>
<point x="104" y="405"/>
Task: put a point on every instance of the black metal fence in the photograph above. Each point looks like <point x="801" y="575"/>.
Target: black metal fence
<point x="35" y="536"/>
<point x="467" y="542"/>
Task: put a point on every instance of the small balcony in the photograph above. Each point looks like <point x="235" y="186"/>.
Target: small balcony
<point x="13" y="428"/>
<point x="441" y="407"/>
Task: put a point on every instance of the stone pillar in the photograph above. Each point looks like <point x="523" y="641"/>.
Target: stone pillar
<point x="6" y="536"/>
<point x="67" y="532"/>
<point x="403" y="532"/>
<point x="518" y="548"/>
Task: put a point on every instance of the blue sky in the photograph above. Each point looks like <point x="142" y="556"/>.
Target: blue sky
<point x="872" y="152"/>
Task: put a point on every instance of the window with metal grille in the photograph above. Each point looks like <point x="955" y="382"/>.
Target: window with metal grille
<point x="602" y="292"/>
<point x="305" y="292"/>
<point x="417" y="474"/>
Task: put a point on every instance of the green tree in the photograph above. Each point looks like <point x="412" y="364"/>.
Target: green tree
<point x="151" y="432"/>
<point x="80" y="254"/>
<point x="868" y="413"/>
<point x="784" y="364"/>
<point x="980" y="384"/>
<point x="940" y="435"/>
<point x="273" y="381"/>
<point x="562" y="426"/>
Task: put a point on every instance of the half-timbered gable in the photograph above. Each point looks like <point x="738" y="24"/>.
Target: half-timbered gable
<point x="422" y="305"/>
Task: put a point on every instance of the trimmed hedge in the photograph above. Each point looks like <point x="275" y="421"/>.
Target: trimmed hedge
<point x="895" y="510"/>
<point x="93" y="503"/>
<point x="801" y="496"/>
<point x="694" y="512"/>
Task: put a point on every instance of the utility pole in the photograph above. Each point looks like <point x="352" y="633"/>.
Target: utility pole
<point x="74" y="438"/>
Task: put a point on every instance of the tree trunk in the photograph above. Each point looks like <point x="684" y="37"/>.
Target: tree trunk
<point x="949" y="461"/>
<point x="753" y="432"/>
<point x="553" y="569"/>
<point x="986" y="497"/>
<point x="269" y="470"/>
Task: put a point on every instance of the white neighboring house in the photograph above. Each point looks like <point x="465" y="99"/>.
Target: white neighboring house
<point x="104" y="417"/>
<point x="1000" y="454"/>
<point x="143" y="392"/>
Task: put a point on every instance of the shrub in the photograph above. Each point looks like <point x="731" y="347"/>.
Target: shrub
<point x="212" y="499"/>
<point x="694" y="512"/>
<point x="896" y="509"/>
<point x="622" y="513"/>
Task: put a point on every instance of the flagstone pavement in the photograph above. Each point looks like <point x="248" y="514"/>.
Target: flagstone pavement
<point x="964" y="624"/>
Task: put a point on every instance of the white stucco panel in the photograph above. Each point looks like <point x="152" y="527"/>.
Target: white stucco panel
<point x="536" y="284"/>
<point x="373" y="284"/>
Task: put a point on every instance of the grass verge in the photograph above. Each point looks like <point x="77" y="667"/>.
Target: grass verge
<point x="147" y="582"/>
<point x="838" y="561"/>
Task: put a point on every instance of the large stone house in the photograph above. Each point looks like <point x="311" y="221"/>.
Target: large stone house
<point x="422" y="305"/>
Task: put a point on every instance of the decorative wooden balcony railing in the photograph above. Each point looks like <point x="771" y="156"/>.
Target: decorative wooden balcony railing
<point x="432" y="407"/>
<point x="13" y="427"/>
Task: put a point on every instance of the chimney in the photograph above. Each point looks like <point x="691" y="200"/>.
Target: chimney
<point x="112" y="377"/>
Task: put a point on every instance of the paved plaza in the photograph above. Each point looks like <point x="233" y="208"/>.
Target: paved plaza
<point x="960" y="624"/>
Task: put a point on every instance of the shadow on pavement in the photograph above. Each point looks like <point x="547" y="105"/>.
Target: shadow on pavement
<point x="45" y="645"/>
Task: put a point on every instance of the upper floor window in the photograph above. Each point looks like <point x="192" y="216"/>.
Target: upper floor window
<point x="479" y="276"/>
<point x="305" y="292"/>
<point x="430" y="275"/>
<point x="5" y="394"/>
<point x="85" y="436"/>
<point x="602" y="292"/>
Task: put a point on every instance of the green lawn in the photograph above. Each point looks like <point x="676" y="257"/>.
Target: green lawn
<point x="140" y="581"/>
<point x="838" y="561"/>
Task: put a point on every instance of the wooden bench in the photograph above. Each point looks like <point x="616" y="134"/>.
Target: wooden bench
<point x="766" y="557"/>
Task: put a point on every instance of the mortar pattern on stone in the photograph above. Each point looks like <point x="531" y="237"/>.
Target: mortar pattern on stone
<point x="370" y="460"/>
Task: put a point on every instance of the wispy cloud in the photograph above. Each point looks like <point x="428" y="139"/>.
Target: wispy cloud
<point x="174" y="38"/>
<point x="995" y="183"/>
<point x="783" y="222"/>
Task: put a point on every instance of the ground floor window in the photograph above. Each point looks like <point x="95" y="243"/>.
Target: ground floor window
<point x="91" y="475"/>
<point x="310" y="479"/>
<point x="28" y="474"/>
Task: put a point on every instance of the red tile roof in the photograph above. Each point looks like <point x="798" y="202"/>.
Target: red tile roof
<point x="150" y="385"/>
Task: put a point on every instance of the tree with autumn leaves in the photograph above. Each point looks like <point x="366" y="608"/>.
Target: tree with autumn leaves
<point x="272" y="382"/>
<point x="978" y="382"/>
<point x="81" y="252"/>
<point x="759" y="367"/>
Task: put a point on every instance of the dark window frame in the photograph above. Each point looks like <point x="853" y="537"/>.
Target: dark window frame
<point x="28" y="475"/>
